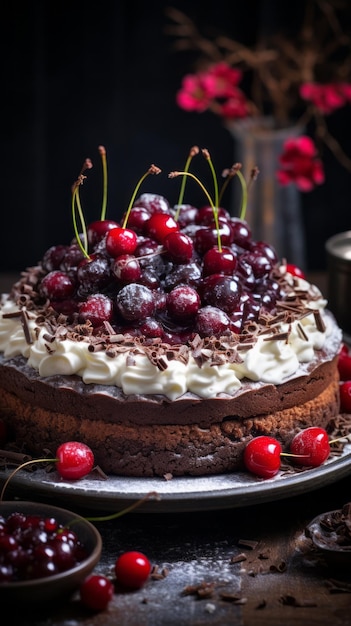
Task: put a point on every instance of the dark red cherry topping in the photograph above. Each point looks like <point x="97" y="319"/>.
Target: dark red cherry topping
<point x="160" y="225"/>
<point x="183" y="303"/>
<point x="57" y="285"/>
<point x="121" y="241"/>
<point x="97" y="309"/>
<point x="217" y="261"/>
<point x="98" y="230"/>
<point x="135" y="302"/>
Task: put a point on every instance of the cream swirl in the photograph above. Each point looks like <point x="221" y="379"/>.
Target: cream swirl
<point x="269" y="359"/>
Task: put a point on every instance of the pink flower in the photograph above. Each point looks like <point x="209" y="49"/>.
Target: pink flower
<point x="327" y="98"/>
<point x="223" y="80"/>
<point x="194" y="94"/>
<point x="217" y="89"/>
<point x="300" y="165"/>
<point x="234" y="107"/>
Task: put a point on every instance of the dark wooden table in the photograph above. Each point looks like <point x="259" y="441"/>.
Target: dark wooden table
<point x="238" y="566"/>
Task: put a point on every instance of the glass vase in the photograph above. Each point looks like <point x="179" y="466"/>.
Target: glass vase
<point x="273" y="210"/>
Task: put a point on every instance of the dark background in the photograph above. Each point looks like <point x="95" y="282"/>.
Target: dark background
<point x="76" y="75"/>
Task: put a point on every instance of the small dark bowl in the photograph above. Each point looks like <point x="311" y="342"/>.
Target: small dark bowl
<point x="324" y="531"/>
<point x="51" y="588"/>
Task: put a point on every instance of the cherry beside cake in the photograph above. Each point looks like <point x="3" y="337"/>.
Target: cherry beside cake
<point x="165" y="341"/>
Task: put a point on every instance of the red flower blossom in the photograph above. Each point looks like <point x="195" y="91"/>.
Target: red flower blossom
<point x="194" y="94"/>
<point x="327" y="98"/>
<point x="234" y="107"/>
<point x="217" y="89"/>
<point x="300" y="164"/>
<point x="223" y="79"/>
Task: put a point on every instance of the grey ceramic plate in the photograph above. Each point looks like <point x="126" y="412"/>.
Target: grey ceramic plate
<point x="179" y="494"/>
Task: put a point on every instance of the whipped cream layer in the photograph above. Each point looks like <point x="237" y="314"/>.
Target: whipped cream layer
<point x="268" y="359"/>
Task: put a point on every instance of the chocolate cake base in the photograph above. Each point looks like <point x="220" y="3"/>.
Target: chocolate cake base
<point x="33" y="408"/>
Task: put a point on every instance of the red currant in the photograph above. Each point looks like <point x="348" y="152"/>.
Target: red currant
<point x="96" y="592"/>
<point x="345" y="397"/>
<point x="132" y="569"/>
<point x="262" y="456"/>
<point x="75" y="460"/>
<point x="311" y="447"/>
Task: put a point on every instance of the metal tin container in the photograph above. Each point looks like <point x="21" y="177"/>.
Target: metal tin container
<point x="338" y="248"/>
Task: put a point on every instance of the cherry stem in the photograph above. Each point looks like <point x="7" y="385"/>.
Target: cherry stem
<point x="104" y="172"/>
<point x="87" y="165"/>
<point x="244" y="192"/>
<point x="299" y="456"/>
<point x="129" y="509"/>
<point x="215" y="211"/>
<point x="228" y="174"/>
<point x="153" y="169"/>
<point x="31" y="462"/>
<point x="76" y="203"/>
<point x="340" y="439"/>
<point x="193" y="152"/>
<point x="207" y="156"/>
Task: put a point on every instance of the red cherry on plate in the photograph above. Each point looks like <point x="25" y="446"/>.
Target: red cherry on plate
<point x="96" y="591"/>
<point x="132" y="569"/>
<point x="344" y="364"/>
<point x="295" y="270"/>
<point x="74" y="460"/>
<point x="262" y="456"/>
<point x="345" y="397"/>
<point x="311" y="447"/>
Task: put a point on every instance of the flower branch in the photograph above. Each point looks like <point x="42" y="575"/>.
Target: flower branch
<point x="295" y="80"/>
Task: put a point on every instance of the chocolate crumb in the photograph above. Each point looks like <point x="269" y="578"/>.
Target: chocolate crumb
<point x="281" y="567"/>
<point x="261" y="605"/>
<point x="238" y="558"/>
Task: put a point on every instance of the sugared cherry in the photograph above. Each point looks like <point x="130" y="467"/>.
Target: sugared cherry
<point x="57" y="285"/>
<point x="262" y="456"/>
<point x="96" y="592"/>
<point x="126" y="269"/>
<point x="135" y="302"/>
<point x="74" y="460"/>
<point x="310" y="447"/>
<point x="183" y="303"/>
<point x="97" y="309"/>
<point x="132" y="569"/>
<point x="211" y="322"/>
